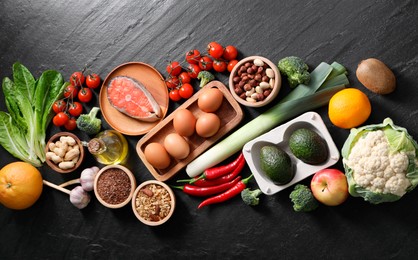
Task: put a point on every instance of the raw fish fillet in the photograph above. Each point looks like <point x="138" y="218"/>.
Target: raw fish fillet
<point x="130" y="97"/>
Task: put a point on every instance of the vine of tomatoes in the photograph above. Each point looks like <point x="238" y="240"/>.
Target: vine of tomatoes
<point x="78" y="91"/>
<point x="216" y="58"/>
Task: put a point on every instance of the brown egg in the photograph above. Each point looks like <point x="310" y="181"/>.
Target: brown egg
<point x="207" y="124"/>
<point x="176" y="146"/>
<point x="157" y="155"/>
<point x="210" y="100"/>
<point x="184" y="122"/>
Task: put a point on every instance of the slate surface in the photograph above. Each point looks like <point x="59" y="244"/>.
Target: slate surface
<point x="67" y="35"/>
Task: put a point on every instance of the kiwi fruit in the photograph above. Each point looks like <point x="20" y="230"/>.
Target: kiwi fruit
<point x="376" y="76"/>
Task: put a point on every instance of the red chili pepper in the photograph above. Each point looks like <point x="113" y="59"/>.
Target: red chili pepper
<point x="207" y="191"/>
<point x="222" y="179"/>
<point x="218" y="171"/>
<point x="232" y="192"/>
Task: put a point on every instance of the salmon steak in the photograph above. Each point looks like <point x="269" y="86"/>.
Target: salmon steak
<point x="132" y="98"/>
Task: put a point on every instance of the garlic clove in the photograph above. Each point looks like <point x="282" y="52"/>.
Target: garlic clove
<point x="79" y="197"/>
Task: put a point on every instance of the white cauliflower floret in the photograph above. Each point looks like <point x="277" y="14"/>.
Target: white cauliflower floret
<point x="375" y="168"/>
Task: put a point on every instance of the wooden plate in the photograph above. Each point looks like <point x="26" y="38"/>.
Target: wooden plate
<point x="152" y="80"/>
<point x="230" y="114"/>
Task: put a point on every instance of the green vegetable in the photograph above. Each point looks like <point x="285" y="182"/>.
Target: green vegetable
<point x="308" y="146"/>
<point x="303" y="199"/>
<point x="277" y="114"/>
<point x="276" y="164"/>
<point x="397" y="170"/>
<point x="295" y="69"/>
<point x="29" y="103"/>
<point x="250" y="197"/>
<point x="89" y="123"/>
<point x="205" y="77"/>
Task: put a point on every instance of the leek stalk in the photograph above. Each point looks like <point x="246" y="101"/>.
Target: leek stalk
<point x="284" y="110"/>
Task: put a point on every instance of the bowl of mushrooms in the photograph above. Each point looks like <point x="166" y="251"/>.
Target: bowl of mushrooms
<point x="153" y="202"/>
<point x="64" y="152"/>
<point x="255" y="81"/>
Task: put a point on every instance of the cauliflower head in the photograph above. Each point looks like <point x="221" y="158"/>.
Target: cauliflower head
<point x="380" y="162"/>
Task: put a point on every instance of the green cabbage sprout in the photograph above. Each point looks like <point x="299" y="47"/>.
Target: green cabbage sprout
<point x="399" y="142"/>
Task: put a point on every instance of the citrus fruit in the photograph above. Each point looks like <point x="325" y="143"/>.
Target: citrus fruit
<point x="349" y="108"/>
<point x="20" y="185"/>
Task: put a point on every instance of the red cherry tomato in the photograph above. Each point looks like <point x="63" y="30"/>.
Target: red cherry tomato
<point x="174" y="95"/>
<point x="193" y="70"/>
<point x="173" y="68"/>
<point x="71" y="124"/>
<point x="75" y="108"/>
<point x="230" y="53"/>
<point x="77" y="79"/>
<point x="232" y="64"/>
<point x="60" y="119"/>
<point x="70" y="91"/>
<point x="59" y="106"/>
<point x="184" y="77"/>
<point x="93" y="80"/>
<point x="219" y="65"/>
<point x="172" y="82"/>
<point x="206" y="63"/>
<point x="193" y="56"/>
<point x="85" y="95"/>
<point x="215" y="50"/>
<point x="186" y="91"/>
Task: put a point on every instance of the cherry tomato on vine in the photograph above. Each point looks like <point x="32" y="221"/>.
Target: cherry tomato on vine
<point x="71" y="124"/>
<point x="173" y="68"/>
<point x="85" y="95"/>
<point x="70" y="91"/>
<point x="232" y="64"/>
<point x="206" y="63"/>
<point x="230" y="53"/>
<point x="77" y="79"/>
<point x="172" y="82"/>
<point x="193" y="56"/>
<point x="59" y="106"/>
<point x="93" y="80"/>
<point x="60" y="119"/>
<point x="174" y="95"/>
<point x="219" y="65"/>
<point x="75" y="108"/>
<point x="186" y="91"/>
<point x="184" y="77"/>
<point x="193" y="70"/>
<point x="215" y="50"/>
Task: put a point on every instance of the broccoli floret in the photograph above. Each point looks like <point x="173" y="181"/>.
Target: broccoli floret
<point x="89" y="123"/>
<point x="205" y="77"/>
<point x="250" y="197"/>
<point x="303" y="199"/>
<point x="295" y="69"/>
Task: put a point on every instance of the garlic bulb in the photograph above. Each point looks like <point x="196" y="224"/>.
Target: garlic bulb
<point x="87" y="178"/>
<point x="79" y="197"/>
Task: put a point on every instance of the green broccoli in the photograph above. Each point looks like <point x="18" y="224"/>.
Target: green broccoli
<point x="250" y="197"/>
<point x="303" y="199"/>
<point x="205" y="77"/>
<point x="89" y="123"/>
<point x="295" y="69"/>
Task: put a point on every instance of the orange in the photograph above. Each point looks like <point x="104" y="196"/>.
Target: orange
<point x="349" y="108"/>
<point x="20" y="185"/>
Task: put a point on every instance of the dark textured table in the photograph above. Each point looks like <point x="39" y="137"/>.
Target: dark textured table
<point x="67" y="35"/>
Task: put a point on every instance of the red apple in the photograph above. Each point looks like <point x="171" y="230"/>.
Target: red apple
<point x="329" y="186"/>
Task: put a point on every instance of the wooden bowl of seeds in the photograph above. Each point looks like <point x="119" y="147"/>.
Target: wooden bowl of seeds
<point x="114" y="186"/>
<point x="153" y="202"/>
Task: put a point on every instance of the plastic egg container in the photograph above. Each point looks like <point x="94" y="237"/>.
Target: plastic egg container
<point x="279" y="136"/>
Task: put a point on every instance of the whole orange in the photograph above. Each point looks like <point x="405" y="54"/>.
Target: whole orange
<point x="349" y="108"/>
<point x="20" y="185"/>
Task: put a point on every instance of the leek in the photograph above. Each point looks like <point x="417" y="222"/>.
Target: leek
<point x="304" y="100"/>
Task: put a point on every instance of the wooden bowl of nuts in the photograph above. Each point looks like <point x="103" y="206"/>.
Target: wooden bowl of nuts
<point x="153" y="202"/>
<point x="64" y="152"/>
<point x="255" y="81"/>
<point x="114" y="186"/>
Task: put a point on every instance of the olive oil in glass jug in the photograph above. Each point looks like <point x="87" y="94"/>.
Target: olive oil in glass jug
<point x="109" y="147"/>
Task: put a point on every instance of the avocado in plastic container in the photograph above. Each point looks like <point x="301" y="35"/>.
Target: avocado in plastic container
<point x="276" y="164"/>
<point x="308" y="146"/>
